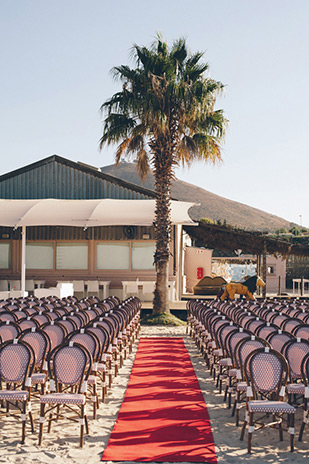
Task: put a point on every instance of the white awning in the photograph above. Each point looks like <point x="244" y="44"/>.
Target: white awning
<point x="86" y="213"/>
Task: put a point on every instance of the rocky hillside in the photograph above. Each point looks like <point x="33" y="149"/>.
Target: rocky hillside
<point x="211" y="206"/>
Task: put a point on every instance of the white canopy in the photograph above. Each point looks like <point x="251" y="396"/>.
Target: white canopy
<point x="82" y="213"/>
<point x="86" y="213"/>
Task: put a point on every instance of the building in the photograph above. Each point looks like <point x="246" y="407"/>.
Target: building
<point x="60" y="253"/>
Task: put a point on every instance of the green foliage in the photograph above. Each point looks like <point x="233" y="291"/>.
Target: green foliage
<point x="162" y="319"/>
<point x="282" y="230"/>
<point x="207" y="221"/>
<point x="295" y="231"/>
<point x="165" y="98"/>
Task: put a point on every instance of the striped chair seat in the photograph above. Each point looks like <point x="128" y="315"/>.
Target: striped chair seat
<point x="241" y="386"/>
<point x="233" y="372"/>
<point x="14" y="395"/>
<point x="38" y="378"/>
<point x="297" y="388"/>
<point x="92" y="379"/>
<point x="270" y="406"/>
<point x="226" y="362"/>
<point x="101" y="367"/>
<point x="63" y="398"/>
<point x="217" y="352"/>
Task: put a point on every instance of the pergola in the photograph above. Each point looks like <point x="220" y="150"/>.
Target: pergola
<point x="228" y="238"/>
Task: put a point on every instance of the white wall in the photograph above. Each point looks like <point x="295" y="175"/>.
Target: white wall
<point x="276" y="267"/>
<point x="194" y="258"/>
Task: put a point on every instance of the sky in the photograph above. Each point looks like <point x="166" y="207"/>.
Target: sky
<point x="56" y="58"/>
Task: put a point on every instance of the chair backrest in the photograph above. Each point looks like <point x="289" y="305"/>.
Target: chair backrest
<point x="305" y="370"/>
<point x="56" y="333"/>
<point x="254" y="325"/>
<point x="291" y="325"/>
<point x="8" y="316"/>
<point x="9" y="330"/>
<point x="245" y="347"/>
<point x="39" y="342"/>
<point x="69" y="365"/>
<point x="278" y="339"/>
<point x="88" y="340"/>
<point x="27" y="323"/>
<point x="223" y="333"/>
<point x="102" y="335"/>
<point x="265" y="330"/>
<point x="15" y="359"/>
<point x="302" y="332"/>
<point x="233" y="338"/>
<point x="295" y="351"/>
<point x="279" y="319"/>
<point x="266" y="371"/>
<point x="68" y="324"/>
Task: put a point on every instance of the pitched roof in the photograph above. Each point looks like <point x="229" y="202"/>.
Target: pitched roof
<point x="82" y="168"/>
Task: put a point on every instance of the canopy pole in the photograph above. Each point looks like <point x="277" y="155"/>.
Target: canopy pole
<point x="23" y="260"/>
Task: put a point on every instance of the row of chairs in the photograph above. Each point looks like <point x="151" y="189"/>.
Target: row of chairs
<point x="260" y="362"/>
<point x="60" y="364"/>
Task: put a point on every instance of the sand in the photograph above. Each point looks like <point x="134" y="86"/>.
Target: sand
<point x="62" y="444"/>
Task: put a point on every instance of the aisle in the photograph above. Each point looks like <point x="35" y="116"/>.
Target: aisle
<point x="163" y="416"/>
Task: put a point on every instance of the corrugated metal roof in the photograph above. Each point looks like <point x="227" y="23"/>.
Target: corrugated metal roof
<point x="57" y="177"/>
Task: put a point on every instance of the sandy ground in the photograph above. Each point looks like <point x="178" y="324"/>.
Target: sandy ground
<point x="62" y="444"/>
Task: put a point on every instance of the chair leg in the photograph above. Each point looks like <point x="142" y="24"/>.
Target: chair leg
<point x="301" y="431"/>
<point x="250" y="431"/>
<point x="291" y="430"/>
<point x="31" y="421"/>
<point x="82" y="426"/>
<point x="42" y="418"/>
<point x="242" y="434"/>
<point x="23" y="426"/>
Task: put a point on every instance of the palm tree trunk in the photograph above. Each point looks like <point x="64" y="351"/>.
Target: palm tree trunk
<point x="163" y="175"/>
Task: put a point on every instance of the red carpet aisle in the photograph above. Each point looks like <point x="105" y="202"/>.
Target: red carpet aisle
<point x="163" y="416"/>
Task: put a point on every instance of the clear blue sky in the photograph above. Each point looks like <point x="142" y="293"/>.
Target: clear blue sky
<point x="56" y="57"/>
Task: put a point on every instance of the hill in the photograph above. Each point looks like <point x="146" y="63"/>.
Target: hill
<point x="211" y="206"/>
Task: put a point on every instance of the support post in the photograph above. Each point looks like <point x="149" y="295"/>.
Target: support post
<point x="264" y="268"/>
<point x="23" y="261"/>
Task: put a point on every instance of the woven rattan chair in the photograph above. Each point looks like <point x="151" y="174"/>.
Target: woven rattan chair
<point x="266" y="373"/>
<point x="91" y="343"/>
<point x="294" y="352"/>
<point x="69" y="367"/>
<point x="15" y="373"/>
<point x="40" y="344"/>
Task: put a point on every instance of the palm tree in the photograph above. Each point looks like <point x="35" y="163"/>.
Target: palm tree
<point x="164" y="116"/>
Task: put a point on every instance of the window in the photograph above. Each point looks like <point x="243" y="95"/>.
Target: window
<point x="271" y="270"/>
<point x="113" y="255"/>
<point x="4" y="256"/>
<point x="40" y="256"/>
<point x="143" y="255"/>
<point x="72" y="256"/>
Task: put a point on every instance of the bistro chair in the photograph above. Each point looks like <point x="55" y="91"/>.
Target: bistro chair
<point x="40" y="344"/>
<point x="69" y="367"/>
<point x="9" y="330"/>
<point x="91" y="343"/>
<point x="266" y="372"/>
<point x="15" y="375"/>
<point x="305" y="374"/>
<point x="294" y="352"/>
<point x="243" y="350"/>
